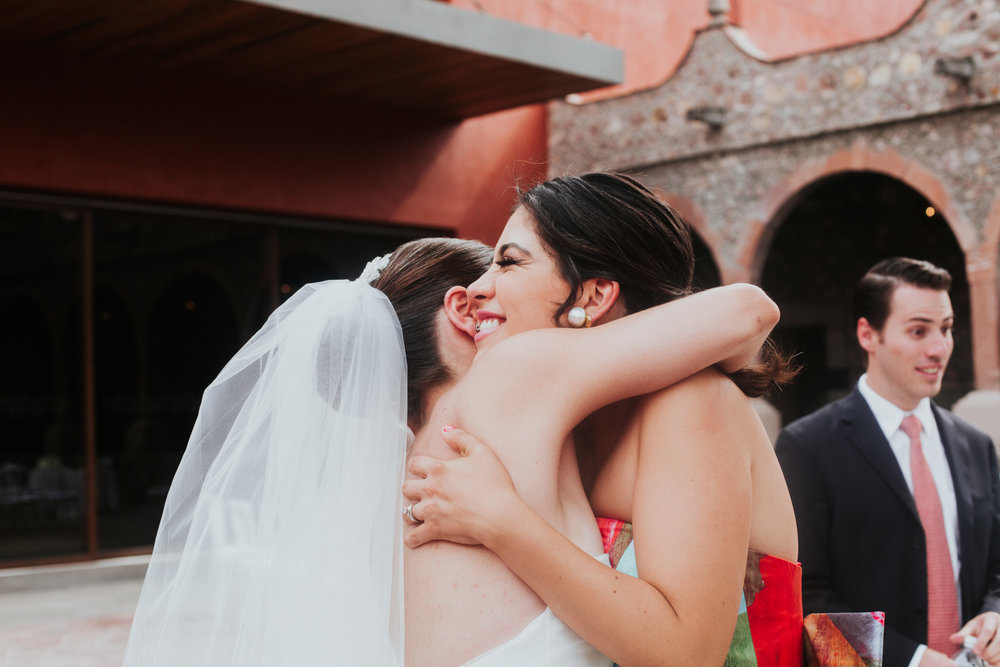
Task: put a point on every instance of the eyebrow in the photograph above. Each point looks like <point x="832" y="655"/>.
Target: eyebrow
<point x="507" y="246"/>
<point x="928" y="320"/>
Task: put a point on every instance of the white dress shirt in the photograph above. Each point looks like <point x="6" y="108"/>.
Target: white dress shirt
<point x="889" y="417"/>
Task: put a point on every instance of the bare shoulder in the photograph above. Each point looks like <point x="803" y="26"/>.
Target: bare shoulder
<point x="706" y="391"/>
<point x="706" y="408"/>
<point x="517" y="376"/>
<point x="521" y="375"/>
<point x="521" y="354"/>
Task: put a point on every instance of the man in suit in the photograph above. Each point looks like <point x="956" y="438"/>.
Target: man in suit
<point x="897" y="500"/>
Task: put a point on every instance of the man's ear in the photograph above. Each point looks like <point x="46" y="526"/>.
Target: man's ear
<point x="867" y="335"/>
<point x="458" y="308"/>
<point x="599" y="297"/>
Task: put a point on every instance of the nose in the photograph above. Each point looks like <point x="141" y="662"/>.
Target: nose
<point x="482" y="289"/>
<point x="939" y="346"/>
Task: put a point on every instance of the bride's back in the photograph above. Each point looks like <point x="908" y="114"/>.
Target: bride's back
<point x="463" y="600"/>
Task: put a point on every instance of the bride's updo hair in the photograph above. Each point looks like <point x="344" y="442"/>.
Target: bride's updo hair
<point x="418" y="275"/>
<point x="608" y="225"/>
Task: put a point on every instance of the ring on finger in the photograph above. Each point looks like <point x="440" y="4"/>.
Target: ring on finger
<point x="408" y="514"/>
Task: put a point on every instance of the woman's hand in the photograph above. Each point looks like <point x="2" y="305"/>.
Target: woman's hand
<point x="464" y="500"/>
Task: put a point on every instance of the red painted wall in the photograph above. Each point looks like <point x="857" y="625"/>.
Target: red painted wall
<point x="119" y="132"/>
<point x="122" y="132"/>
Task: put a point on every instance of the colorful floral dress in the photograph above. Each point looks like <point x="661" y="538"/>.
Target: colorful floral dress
<point x="770" y="630"/>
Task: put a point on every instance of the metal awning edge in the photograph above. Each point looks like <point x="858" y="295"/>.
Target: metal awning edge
<point x="476" y="32"/>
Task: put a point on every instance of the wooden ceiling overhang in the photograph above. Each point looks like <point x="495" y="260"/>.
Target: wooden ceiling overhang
<point x="418" y="55"/>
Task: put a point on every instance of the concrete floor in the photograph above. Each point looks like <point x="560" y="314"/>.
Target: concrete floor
<point x="68" y="615"/>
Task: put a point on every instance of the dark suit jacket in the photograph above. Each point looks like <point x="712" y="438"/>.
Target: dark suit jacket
<point x="860" y="539"/>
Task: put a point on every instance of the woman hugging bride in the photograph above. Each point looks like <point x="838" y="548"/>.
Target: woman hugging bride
<point x="282" y="539"/>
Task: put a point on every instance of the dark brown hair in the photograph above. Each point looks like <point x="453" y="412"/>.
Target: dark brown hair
<point x="608" y="225"/>
<point x="418" y="275"/>
<point x="873" y="293"/>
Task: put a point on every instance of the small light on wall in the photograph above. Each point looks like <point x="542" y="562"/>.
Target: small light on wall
<point x="930" y="211"/>
<point x="714" y="117"/>
<point x="285" y="289"/>
<point x="191" y="305"/>
<point x="962" y="69"/>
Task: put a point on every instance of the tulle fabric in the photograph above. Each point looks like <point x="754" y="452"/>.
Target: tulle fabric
<point x="281" y="538"/>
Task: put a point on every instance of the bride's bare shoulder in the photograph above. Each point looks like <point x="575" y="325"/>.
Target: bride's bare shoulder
<point x="527" y="359"/>
<point x="515" y="377"/>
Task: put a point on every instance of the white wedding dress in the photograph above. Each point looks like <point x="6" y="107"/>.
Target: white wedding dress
<point x="546" y="641"/>
<point x="281" y="537"/>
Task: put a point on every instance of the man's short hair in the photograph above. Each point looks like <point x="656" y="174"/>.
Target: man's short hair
<point x="873" y="293"/>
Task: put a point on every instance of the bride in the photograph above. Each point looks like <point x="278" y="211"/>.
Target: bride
<point x="281" y="538"/>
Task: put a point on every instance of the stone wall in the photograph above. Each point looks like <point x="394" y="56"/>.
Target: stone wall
<point x="953" y="159"/>
<point x="883" y="106"/>
<point x="878" y="82"/>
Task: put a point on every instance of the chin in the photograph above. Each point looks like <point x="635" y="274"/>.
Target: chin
<point x="929" y="392"/>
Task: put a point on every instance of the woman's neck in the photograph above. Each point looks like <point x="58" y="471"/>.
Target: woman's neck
<point x="431" y="398"/>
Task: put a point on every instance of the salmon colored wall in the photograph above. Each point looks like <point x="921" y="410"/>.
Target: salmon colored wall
<point x="119" y="132"/>
<point x="783" y="28"/>
<point x="656" y="34"/>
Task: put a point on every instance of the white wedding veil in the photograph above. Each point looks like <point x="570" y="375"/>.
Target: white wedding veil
<point x="281" y="538"/>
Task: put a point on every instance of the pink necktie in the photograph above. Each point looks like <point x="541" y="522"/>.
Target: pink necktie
<point x="942" y="600"/>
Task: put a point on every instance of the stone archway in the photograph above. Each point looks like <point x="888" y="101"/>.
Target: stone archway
<point x="825" y="237"/>
<point x="707" y="272"/>
<point x="784" y="196"/>
<point x="984" y="278"/>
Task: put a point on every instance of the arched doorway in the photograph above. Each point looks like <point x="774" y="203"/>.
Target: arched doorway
<point x="828" y="235"/>
<point x="706" y="273"/>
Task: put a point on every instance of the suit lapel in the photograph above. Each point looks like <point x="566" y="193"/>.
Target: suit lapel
<point x="957" y="451"/>
<point x="863" y="432"/>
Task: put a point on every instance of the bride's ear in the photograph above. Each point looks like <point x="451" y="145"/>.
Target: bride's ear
<point x="600" y="297"/>
<point x="458" y="308"/>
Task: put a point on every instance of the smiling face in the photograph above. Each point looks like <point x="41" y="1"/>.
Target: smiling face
<point x="522" y="288"/>
<point x="908" y="357"/>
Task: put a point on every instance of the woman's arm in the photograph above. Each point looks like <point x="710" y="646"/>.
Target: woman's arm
<point x="723" y="326"/>
<point x="691" y="519"/>
<point x="526" y="393"/>
<point x="633" y="355"/>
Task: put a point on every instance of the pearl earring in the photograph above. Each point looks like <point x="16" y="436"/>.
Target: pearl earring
<point x="578" y="317"/>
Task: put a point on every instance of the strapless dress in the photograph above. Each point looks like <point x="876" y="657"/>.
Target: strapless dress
<point x="544" y="642"/>
<point x="770" y="631"/>
<point x="769" y="626"/>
